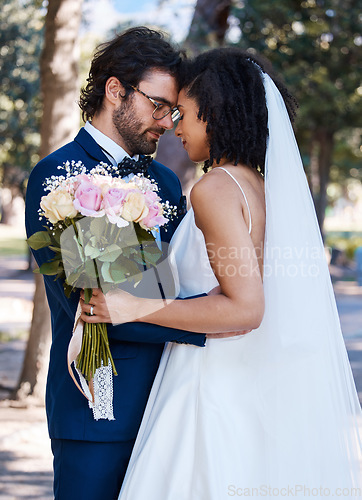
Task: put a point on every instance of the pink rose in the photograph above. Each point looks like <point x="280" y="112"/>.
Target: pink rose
<point x="151" y="197"/>
<point x="114" y="198"/>
<point x="76" y="181"/>
<point x="113" y="203"/>
<point x="88" y="199"/>
<point x="154" y="216"/>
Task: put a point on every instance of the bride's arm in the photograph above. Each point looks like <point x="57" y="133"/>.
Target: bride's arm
<point x="240" y="305"/>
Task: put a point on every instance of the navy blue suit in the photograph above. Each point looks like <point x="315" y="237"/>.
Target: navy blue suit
<point x="136" y="347"/>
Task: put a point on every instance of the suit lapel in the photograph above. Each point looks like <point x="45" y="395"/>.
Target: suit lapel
<point x="90" y="146"/>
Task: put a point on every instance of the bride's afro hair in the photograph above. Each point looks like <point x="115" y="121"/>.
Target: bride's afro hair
<point x="227" y="85"/>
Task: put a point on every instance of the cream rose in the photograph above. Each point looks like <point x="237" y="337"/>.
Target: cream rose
<point x="57" y="205"/>
<point x="134" y="208"/>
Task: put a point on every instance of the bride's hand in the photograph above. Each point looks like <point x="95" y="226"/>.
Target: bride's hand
<point x="96" y="311"/>
<point x="116" y="307"/>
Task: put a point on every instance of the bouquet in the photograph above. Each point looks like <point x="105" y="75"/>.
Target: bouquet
<point x="102" y="232"/>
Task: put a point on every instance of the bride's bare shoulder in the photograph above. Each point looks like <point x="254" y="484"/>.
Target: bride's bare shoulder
<point x="211" y="187"/>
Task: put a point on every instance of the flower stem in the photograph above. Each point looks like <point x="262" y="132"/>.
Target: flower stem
<point x="95" y="350"/>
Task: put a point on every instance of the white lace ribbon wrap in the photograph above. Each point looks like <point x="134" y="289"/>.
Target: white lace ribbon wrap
<point x="99" y="391"/>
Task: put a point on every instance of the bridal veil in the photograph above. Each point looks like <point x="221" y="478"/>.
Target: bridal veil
<point x="310" y="406"/>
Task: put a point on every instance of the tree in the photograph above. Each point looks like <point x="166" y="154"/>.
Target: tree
<point x="60" y="120"/>
<point x="21" y="36"/>
<point x="315" y="45"/>
<point x="208" y="28"/>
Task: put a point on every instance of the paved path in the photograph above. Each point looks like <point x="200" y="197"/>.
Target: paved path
<point x="349" y="303"/>
<point x="25" y="456"/>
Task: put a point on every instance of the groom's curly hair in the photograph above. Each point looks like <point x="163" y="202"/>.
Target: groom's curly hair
<point x="228" y="88"/>
<point x="128" y="57"/>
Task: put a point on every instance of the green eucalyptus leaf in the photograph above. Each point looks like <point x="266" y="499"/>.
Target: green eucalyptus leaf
<point x="50" y="268"/>
<point x="91" y="252"/>
<point x="55" y="237"/>
<point x="55" y="249"/>
<point x="110" y="253"/>
<point x="152" y="258"/>
<point x="143" y="235"/>
<point x="105" y="272"/>
<point x="98" y="227"/>
<point x="91" y="269"/>
<point x="73" y="278"/>
<point x="118" y="276"/>
<point x="68" y="289"/>
<point x="38" y="240"/>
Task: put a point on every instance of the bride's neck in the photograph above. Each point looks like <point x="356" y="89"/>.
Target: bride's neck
<point x="221" y="163"/>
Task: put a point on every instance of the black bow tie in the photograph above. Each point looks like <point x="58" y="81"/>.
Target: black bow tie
<point x="128" y="166"/>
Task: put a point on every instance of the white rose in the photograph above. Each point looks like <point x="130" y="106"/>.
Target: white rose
<point x="135" y="208"/>
<point x="58" y="205"/>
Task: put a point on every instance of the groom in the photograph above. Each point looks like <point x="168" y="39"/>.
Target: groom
<point x="127" y="104"/>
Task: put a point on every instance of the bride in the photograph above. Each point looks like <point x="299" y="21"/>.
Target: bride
<point x="273" y="412"/>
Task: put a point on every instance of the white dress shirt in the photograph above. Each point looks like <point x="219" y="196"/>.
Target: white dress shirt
<point x="111" y="149"/>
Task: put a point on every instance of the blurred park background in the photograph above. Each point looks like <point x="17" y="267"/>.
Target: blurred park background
<point x="45" y="51"/>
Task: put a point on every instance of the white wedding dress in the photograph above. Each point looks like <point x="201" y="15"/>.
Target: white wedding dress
<point x="273" y="413"/>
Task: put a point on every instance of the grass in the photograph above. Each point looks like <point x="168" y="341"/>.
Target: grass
<point x="8" y="336"/>
<point x="347" y="242"/>
<point x="12" y="246"/>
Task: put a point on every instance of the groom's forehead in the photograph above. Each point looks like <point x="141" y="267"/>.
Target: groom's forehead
<point x="159" y="84"/>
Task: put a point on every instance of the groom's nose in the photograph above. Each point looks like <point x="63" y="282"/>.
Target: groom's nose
<point x="166" y="122"/>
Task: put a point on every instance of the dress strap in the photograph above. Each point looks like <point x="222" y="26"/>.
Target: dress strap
<point x="241" y="189"/>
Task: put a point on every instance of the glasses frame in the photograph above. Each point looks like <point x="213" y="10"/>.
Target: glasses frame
<point x="175" y="113"/>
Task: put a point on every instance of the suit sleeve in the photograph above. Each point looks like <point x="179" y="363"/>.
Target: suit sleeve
<point x="154" y="334"/>
<point x="35" y="191"/>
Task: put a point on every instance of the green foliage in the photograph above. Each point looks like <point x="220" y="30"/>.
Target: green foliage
<point x="12" y="246"/>
<point x="94" y="252"/>
<point x="347" y="244"/>
<point x="21" y="35"/>
<point x="315" y="45"/>
<point x="38" y="240"/>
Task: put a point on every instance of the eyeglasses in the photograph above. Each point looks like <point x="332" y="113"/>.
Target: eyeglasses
<point x="161" y="110"/>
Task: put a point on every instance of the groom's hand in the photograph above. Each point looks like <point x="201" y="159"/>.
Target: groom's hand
<point x="224" y="335"/>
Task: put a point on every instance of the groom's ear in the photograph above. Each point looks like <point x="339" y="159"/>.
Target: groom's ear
<point x="114" y="90"/>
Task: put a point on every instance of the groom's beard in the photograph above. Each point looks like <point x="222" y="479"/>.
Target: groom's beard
<point x="129" y="128"/>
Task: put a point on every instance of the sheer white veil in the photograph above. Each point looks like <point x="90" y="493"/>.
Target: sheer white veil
<point x="307" y="399"/>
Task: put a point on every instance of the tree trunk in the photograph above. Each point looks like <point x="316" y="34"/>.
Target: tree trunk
<point x="325" y="140"/>
<point x="59" y="74"/>
<point x="33" y="375"/>
<point x="59" y="80"/>
<point x="208" y="26"/>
